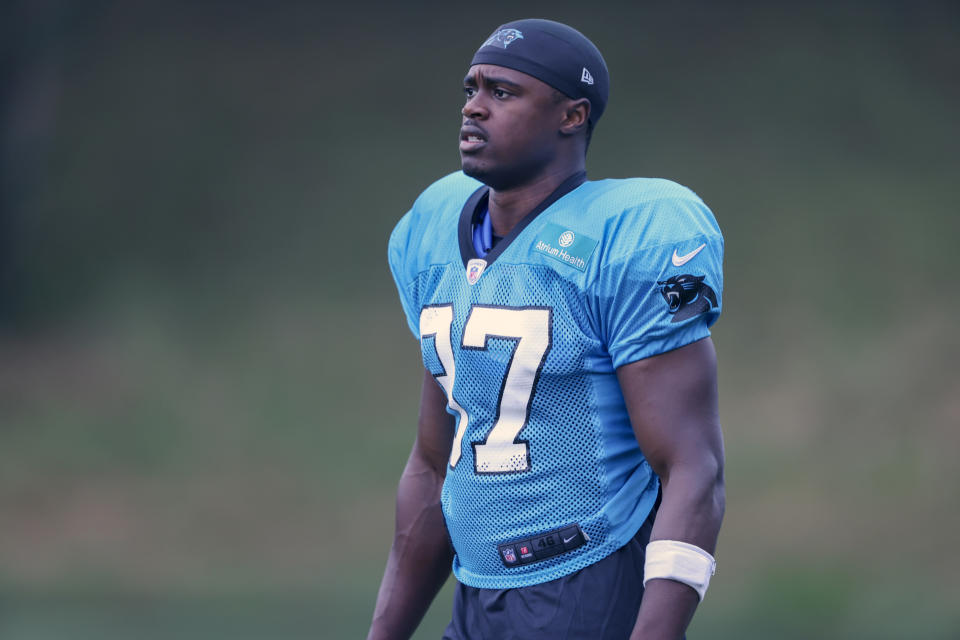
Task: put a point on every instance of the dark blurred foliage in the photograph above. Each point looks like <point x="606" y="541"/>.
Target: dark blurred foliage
<point x="227" y="148"/>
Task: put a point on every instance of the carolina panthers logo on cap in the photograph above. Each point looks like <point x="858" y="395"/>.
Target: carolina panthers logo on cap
<point x="503" y="38"/>
<point x="687" y="296"/>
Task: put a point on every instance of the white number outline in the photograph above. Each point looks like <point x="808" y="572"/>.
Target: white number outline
<point x="436" y="321"/>
<point x="531" y="329"/>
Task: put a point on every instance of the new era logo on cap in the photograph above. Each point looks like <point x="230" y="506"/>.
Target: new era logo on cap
<point x="586" y="77"/>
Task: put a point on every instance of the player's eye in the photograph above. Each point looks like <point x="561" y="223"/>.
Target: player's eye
<point x="500" y="93"/>
<point x="469" y="92"/>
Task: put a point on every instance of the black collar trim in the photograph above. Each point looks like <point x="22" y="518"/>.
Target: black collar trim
<point x="477" y="203"/>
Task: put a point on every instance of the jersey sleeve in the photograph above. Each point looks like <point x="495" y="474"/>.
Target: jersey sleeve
<point x="416" y="242"/>
<point x="659" y="287"/>
<point x="401" y="255"/>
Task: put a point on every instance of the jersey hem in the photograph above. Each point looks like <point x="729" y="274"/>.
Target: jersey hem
<point x="579" y="559"/>
<point x="530" y="579"/>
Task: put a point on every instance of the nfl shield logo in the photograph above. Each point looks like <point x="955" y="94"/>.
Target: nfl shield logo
<point x="509" y="555"/>
<point x="475" y="269"/>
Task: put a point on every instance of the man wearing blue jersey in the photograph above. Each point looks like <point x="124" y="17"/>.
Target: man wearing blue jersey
<point x="568" y="460"/>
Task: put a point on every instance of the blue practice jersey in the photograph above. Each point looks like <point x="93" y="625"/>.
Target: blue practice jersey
<point x="525" y="343"/>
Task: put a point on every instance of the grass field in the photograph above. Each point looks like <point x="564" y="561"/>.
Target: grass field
<point x="207" y="390"/>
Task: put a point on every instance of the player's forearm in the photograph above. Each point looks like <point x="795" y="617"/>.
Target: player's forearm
<point x="691" y="511"/>
<point x="693" y="503"/>
<point x="419" y="561"/>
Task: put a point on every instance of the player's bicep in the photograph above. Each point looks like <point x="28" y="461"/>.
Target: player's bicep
<point x="435" y="427"/>
<point x="672" y="402"/>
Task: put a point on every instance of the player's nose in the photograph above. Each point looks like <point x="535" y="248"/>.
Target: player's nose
<point x="474" y="108"/>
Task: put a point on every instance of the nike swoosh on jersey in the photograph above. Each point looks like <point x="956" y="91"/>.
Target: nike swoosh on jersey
<point x="679" y="261"/>
<point x="567" y="540"/>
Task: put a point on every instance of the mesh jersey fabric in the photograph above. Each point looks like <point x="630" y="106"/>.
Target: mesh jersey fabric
<point x="527" y="356"/>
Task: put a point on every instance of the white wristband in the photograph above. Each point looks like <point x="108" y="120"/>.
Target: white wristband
<point x="675" y="560"/>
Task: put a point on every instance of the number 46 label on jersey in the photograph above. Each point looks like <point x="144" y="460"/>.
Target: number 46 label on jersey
<point x="500" y="451"/>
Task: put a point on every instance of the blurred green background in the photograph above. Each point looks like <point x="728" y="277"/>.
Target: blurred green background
<point x="207" y="390"/>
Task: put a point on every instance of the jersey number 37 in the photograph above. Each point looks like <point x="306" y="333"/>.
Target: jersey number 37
<point x="530" y="328"/>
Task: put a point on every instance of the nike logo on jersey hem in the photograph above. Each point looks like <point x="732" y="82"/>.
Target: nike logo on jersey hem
<point x="679" y="261"/>
<point x="567" y="540"/>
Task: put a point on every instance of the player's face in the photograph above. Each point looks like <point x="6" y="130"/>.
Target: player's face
<point x="510" y="131"/>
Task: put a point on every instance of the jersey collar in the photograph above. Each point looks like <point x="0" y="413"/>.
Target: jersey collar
<point x="477" y="203"/>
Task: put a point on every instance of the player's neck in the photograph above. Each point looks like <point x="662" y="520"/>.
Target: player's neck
<point x="510" y="206"/>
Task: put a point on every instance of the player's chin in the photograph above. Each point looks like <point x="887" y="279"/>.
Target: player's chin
<point x="473" y="166"/>
<point x="495" y="176"/>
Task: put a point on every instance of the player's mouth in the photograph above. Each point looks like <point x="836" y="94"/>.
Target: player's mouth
<point x="472" y="139"/>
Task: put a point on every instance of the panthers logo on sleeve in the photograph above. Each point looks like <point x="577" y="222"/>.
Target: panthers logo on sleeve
<point x="687" y="296"/>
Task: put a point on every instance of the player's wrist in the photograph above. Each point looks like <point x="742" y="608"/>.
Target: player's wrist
<point x="665" y="611"/>
<point x="681" y="562"/>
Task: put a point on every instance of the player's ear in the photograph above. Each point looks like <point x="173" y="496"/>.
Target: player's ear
<point x="575" y="117"/>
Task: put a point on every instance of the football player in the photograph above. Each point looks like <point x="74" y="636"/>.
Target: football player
<point x="568" y="462"/>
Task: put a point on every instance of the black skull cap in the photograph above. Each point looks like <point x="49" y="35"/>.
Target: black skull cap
<point x="554" y="53"/>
